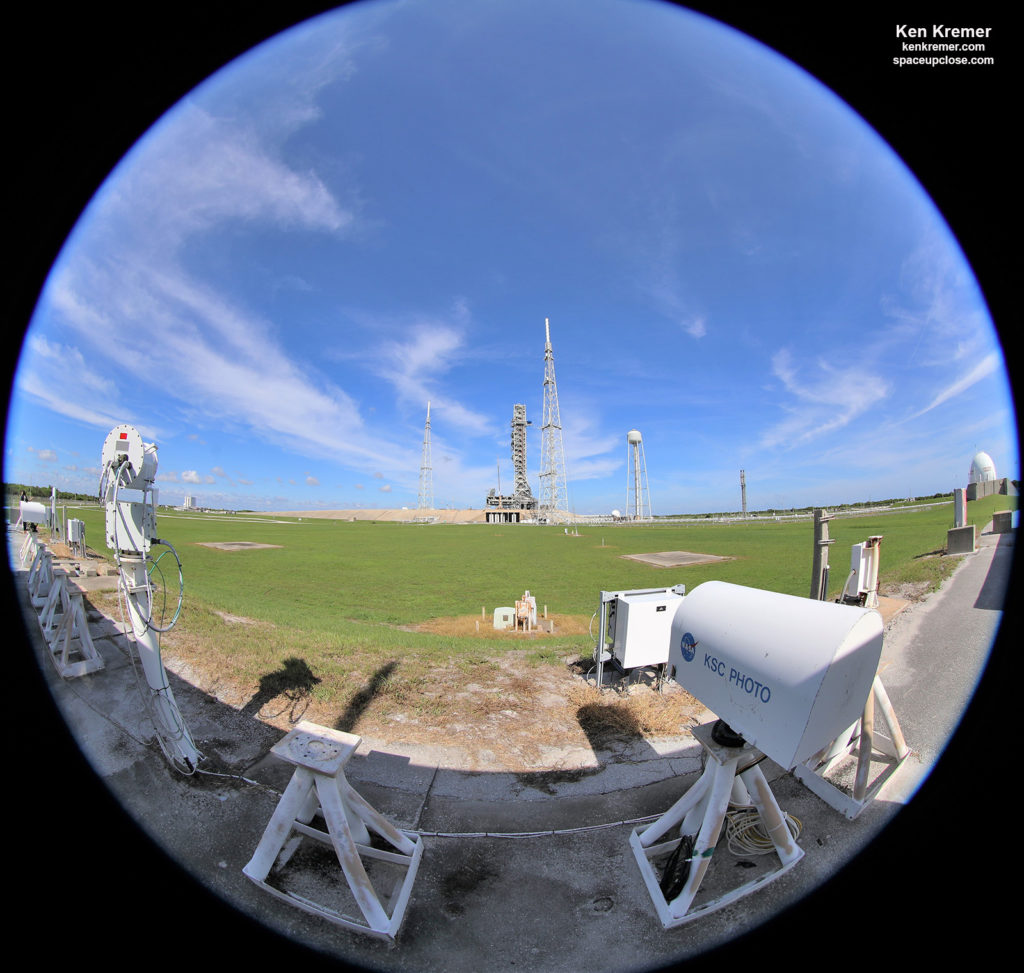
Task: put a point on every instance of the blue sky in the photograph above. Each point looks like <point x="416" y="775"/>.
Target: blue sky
<point x="381" y="207"/>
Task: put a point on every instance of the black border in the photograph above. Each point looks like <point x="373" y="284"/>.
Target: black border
<point x="89" y="80"/>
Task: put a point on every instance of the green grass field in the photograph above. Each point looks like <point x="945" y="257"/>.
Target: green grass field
<point x="329" y="607"/>
<point x="326" y="570"/>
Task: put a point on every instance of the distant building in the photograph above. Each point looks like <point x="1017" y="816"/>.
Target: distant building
<point x="982" y="469"/>
<point x="982" y="480"/>
<point x="189" y="504"/>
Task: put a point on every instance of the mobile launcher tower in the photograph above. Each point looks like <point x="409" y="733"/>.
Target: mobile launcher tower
<point x="522" y="497"/>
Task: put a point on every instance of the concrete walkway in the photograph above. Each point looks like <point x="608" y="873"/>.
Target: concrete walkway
<point x="120" y="852"/>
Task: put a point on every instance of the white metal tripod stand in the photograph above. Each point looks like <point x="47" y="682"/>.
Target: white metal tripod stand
<point x="869" y="744"/>
<point x="700" y="814"/>
<point x="319" y="755"/>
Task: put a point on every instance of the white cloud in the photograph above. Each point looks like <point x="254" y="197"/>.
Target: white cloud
<point x="696" y="327"/>
<point x="415" y="364"/>
<point x="938" y="312"/>
<point x="987" y="366"/>
<point x="137" y="312"/>
<point x="829" y="401"/>
<point x="192" y="476"/>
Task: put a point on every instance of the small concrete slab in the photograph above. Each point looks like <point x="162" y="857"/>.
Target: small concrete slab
<point x="1002" y="522"/>
<point x="674" y="559"/>
<point x="235" y="545"/>
<point x="960" y="540"/>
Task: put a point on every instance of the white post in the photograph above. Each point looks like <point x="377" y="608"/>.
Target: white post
<point x="135" y="586"/>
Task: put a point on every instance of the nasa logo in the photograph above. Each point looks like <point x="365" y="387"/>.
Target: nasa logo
<point x="688" y="647"/>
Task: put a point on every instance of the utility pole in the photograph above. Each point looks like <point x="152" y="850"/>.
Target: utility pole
<point x="819" y="565"/>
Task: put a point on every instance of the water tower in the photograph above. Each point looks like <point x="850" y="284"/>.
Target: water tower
<point x="638" y="495"/>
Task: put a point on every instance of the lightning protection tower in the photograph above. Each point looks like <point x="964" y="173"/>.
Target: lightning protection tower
<point x="743" y="491"/>
<point x="554" y="493"/>
<point x="638" y="494"/>
<point x="426" y="500"/>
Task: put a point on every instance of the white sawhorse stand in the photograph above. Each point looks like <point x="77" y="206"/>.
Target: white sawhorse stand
<point x="318" y="783"/>
<point x="66" y="629"/>
<point x="701" y="811"/>
<point x="862" y="737"/>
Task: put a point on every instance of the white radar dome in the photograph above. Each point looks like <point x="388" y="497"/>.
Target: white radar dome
<point x="982" y="469"/>
<point x="616" y="514"/>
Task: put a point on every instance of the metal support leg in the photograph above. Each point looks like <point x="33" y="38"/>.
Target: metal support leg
<point x="852" y="798"/>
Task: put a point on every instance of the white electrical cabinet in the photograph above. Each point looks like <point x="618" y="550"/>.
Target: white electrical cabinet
<point x="642" y="623"/>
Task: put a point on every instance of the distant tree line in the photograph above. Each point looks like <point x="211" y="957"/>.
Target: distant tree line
<point x="42" y="493"/>
<point x="798" y="510"/>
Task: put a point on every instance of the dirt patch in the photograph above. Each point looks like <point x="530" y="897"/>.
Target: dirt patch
<point x="499" y="712"/>
<point x="508" y="715"/>
<point x="236" y="619"/>
<point x="910" y="591"/>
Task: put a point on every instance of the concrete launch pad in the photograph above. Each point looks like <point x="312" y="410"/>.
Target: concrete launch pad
<point x="675" y="559"/>
<point x="235" y="545"/>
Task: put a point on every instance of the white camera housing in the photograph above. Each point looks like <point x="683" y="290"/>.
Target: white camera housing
<point x="129" y="470"/>
<point x="124" y="451"/>
<point x="789" y="674"/>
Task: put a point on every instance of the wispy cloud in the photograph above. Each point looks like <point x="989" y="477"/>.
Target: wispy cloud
<point x="825" y="403"/>
<point x="660" y="281"/>
<point x="987" y="366"/>
<point x="938" y="311"/>
<point x="415" y="363"/>
<point x="136" y="310"/>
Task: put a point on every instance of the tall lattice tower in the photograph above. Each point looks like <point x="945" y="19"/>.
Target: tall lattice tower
<point x="554" y="493"/>
<point x="426" y="500"/>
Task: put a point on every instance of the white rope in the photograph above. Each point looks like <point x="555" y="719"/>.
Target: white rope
<point x="746" y="835"/>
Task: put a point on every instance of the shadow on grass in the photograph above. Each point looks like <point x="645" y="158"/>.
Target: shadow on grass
<point x="362" y="699"/>
<point x="608" y="722"/>
<point x="291" y="686"/>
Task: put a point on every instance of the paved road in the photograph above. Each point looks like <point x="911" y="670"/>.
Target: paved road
<point x="566" y="901"/>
